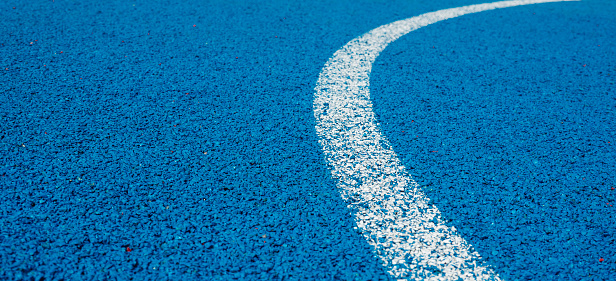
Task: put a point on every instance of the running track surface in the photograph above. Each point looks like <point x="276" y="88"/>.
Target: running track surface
<point x="177" y="140"/>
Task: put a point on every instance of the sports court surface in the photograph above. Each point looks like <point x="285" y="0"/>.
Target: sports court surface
<point x="307" y="140"/>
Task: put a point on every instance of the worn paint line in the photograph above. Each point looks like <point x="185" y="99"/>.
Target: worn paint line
<point x="390" y="209"/>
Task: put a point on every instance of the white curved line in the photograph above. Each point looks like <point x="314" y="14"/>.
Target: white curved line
<point x="391" y="211"/>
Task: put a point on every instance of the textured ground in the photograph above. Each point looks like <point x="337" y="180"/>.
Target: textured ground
<point x="176" y="140"/>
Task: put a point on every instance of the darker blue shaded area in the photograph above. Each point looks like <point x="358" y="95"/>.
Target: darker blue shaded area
<point x="506" y="118"/>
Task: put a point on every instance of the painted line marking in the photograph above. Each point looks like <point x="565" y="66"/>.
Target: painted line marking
<point x="390" y="210"/>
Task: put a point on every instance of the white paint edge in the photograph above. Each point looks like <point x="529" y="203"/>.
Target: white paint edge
<point x="391" y="211"/>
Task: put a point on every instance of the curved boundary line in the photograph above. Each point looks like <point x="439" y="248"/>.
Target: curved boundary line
<point x="390" y="210"/>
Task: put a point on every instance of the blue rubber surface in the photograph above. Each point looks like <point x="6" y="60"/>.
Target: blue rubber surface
<point x="511" y="131"/>
<point x="175" y="140"/>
